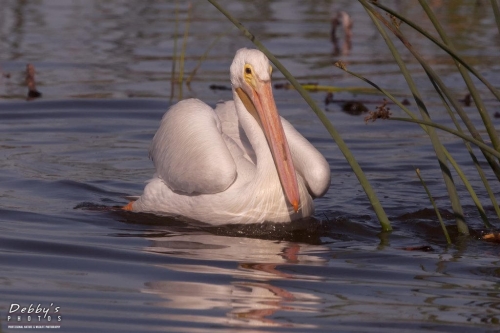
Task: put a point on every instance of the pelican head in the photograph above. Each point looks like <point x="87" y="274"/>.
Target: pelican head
<point x="251" y="80"/>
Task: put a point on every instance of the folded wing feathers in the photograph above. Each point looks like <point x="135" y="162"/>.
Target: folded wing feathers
<point x="189" y="152"/>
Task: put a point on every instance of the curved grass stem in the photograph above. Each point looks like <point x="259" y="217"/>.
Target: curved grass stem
<point x="174" y="56"/>
<point x="435" y="79"/>
<point x="476" y="142"/>
<point x="438" y="147"/>
<point x="496" y="11"/>
<point x="448" y="155"/>
<point x="443" y="226"/>
<point x="481" y="78"/>
<point x="183" y="52"/>
<point x="442" y="89"/>
<point x="488" y="124"/>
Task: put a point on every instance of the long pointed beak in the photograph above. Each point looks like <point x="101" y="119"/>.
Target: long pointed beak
<point x="265" y="105"/>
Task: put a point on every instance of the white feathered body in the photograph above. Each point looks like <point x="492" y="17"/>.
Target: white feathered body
<point x="215" y="166"/>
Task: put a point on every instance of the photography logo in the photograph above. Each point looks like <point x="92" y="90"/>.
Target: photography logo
<point x="34" y="316"/>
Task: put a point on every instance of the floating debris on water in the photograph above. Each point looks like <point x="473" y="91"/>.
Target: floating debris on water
<point x="382" y="112"/>
<point x="219" y="87"/>
<point x="354" y="108"/>
<point x="467" y="100"/>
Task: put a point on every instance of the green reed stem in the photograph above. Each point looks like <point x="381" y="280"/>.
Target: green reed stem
<point x="183" y="52"/>
<point x="449" y="95"/>
<point x="372" y="197"/>
<point x="332" y="89"/>
<point x="466" y="182"/>
<point x="496" y="11"/>
<point x="487" y="186"/>
<point x="445" y="231"/>
<point x="445" y="48"/>
<point x="448" y="155"/>
<point x="174" y="56"/>
<point x="478" y="143"/>
<point x="490" y="128"/>
<point x="472" y="193"/>
<point x="438" y="147"/>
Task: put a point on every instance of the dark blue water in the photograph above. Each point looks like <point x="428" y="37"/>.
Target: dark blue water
<point x="68" y="158"/>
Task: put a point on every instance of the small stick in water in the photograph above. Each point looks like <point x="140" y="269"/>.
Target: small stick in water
<point x="30" y="82"/>
<point x="341" y="18"/>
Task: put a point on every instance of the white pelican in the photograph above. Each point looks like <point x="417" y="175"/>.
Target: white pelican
<point x="238" y="163"/>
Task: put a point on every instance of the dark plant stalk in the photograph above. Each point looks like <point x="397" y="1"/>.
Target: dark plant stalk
<point x="379" y="211"/>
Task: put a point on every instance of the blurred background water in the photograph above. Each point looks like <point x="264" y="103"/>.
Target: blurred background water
<point x="104" y="69"/>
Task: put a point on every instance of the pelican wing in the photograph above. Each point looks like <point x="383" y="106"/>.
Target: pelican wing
<point x="308" y="161"/>
<point x="189" y="152"/>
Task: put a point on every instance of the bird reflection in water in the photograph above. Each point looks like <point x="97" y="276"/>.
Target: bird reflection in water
<point x="250" y="290"/>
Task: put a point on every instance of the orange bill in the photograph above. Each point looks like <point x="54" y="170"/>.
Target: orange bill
<point x="270" y="120"/>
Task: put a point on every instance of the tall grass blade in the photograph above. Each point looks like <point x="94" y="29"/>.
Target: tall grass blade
<point x="472" y="193"/>
<point x="379" y="211"/>
<point x="445" y="231"/>
<point x="438" y="148"/>
<point x="174" y="56"/>
<point x="474" y="159"/>
<point x="496" y="11"/>
<point x="183" y="52"/>
<point x="447" y="154"/>
<point x="449" y="95"/>
<point x="488" y="124"/>
<point x="333" y="89"/>
<point x="478" y="143"/>
<point x="481" y="78"/>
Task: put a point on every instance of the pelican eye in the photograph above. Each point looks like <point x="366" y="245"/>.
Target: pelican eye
<point x="248" y="74"/>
